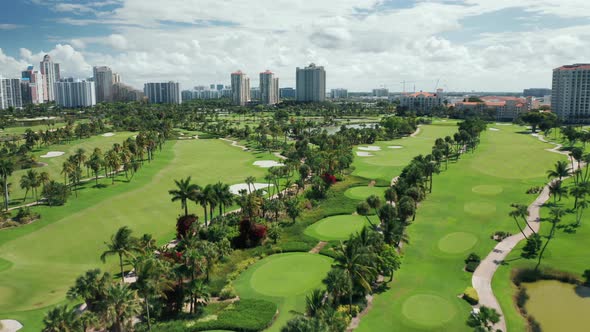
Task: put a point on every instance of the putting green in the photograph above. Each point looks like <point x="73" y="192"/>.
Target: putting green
<point x="361" y="193"/>
<point x="428" y="310"/>
<point x="337" y="227"/>
<point x="488" y="189"/>
<point x="455" y="243"/>
<point x="289" y="274"/>
<point x="479" y="208"/>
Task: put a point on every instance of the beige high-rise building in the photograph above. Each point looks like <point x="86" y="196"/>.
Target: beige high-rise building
<point x="240" y="88"/>
<point x="269" y="88"/>
<point x="311" y="84"/>
<point x="50" y="72"/>
<point x="570" y="96"/>
<point x="103" y="83"/>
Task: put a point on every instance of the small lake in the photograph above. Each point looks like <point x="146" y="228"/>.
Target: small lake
<point x="559" y="306"/>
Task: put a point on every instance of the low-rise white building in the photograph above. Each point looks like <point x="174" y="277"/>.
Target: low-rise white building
<point x="421" y="101"/>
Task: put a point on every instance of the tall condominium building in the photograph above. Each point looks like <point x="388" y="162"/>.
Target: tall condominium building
<point x="381" y="92"/>
<point x="103" y="83"/>
<point x="311" y="84"/>
<point x="32" y="86"/>
<point x="10" y="93"/>
<point x="255" y="93"/>
<point x="124" y="92"/>
<point x="339" y="94"/>
<point x="163" y="93"/>
<point x="269" y="88"/>
<point x="51" y="74"/>
<point x="240" y="87"/>
<point x="71" y="93"/>
<point x="570" y="96"/>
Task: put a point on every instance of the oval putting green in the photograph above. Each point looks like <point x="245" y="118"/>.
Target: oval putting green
<point x="488" y="189"/>
<point x="338" y="227"/>
<point x="361" y="193"/>
<point x="428" y="310"/>
<point x="289" y="274"/>
<point x="479" y="208"/>
<point x="455" y="243"/>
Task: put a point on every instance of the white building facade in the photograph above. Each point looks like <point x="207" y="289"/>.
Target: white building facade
<point x="51" y="74"/>
<point x="70" y="93"/>
<point x="269" y="88"/>
<point x="10" y="93"/>
<point x="311" y="84"/>
<point x="240" y="88"/>
<point x="163" y="93"/>
<point x="570" y="96"/>
<point x="103" y="83"/>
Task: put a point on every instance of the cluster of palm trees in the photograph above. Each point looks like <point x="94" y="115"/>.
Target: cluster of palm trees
<point x="31" y="181"/>
<point x="210" y="197"/>
<point x="359" y="266"/>
<point x="165" y="282"/>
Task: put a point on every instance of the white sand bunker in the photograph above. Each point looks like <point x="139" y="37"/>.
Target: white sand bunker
<point x="108" y="135"/>
<point x="267" y="163"/>
<point x="236" y="188"/>
<point x="369" y="148"/>
<point x="364" y="154"/>
<point x="10" y="325"/>
<point x="503" y="124"/>
<point x="494" y="129"/>
<point x="396" y="147"/>
<point x="53" y="154"/>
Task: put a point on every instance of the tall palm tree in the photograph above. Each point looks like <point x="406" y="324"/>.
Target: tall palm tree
<point x="61" y="319"/>
<point x="25" y="184"/>
<point x="200" y="198"/>
<point x="556" y="215"/>
<point x="556" y="189"/>
<point x="209" y="192"/>
<point x="185" y="191"/>
<point x="521" y="211"/>
<point x="314" y="302"/>
<point x="122" y="244"/>
<point x="6" y="169"/>
<point x="559" y="171"/>
<point x="355" y="264"/>
<point x="34" y="181"/>
<point x="121" y="306"/>
<point x="578" y="191"/>
<point x="90" y="287"/>
<point x="250" y="182"/>
<point x="152" y="280"/>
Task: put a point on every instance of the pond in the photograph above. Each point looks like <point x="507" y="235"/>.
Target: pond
<point x="559" y="306"/>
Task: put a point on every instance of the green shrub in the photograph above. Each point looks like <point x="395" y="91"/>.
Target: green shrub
<point x="25" y="215"/>
<point x="471" y="266"/>
<point x="293" y="247"/>
<point x="227" y="292"/>
<point x="8" y="224"/>
<point x="247" y="315"/>
<point x="470" y="295"/>
<point x="473" y="257"/>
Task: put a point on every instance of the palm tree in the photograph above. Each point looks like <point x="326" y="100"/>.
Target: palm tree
<point x="560" y="170"/>
<point x="6" y="169"/>
<point x="200" y="198"/>
<point x="355" y="264"/>
<point x="44" y="179"/>
<point x="121" y="306"/>
<point x="521" y="211"/>
<point x="121" y="244"/>
<point x="209" y="192"/>
<point x="185" y="191"/>
<point x="250" y="182"/>
<point x="557" y="190"/>
<point x="34" y="181"/>
<point x="578" y="191"/>
<point x="582" y="205"/>
<point x="90" y="287"/>
<point x="61" y="319"/>
<point x="337" y="285"/>
<point x="556" y="215"/>
<point x="25" y="184"/>
<point x="152" y="280"/>
<point x="314" y="303"/>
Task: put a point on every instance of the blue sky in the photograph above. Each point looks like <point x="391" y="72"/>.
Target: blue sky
<point x="467" y="44"/>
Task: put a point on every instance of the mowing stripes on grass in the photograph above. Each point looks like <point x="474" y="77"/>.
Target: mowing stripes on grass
<point x="337" y="227"/>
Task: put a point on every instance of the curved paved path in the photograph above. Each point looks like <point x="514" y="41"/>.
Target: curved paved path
<point x="483" y="275"/>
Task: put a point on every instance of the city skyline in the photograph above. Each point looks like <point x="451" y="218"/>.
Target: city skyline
<point x="468" y="44"/>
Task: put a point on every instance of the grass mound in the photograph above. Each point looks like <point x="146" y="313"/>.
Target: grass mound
<point x="428" y="310"/>
<point x="456" y="243"/>
<point x="488" y="189"/>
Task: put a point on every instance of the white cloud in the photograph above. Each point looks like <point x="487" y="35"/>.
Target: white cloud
<point x="9" y="26"/>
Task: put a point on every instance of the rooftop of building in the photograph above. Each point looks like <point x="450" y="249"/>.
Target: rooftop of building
<point x="421" y="93"/>
<point x="583" y="66"/>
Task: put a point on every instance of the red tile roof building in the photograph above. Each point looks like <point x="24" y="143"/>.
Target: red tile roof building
<point x="422" y="101"/>
<point x="506" y="108"/>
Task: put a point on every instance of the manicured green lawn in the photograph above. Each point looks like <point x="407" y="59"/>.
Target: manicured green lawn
<point x="49" y="254"/>
<point x="361" y="193"/>
<point x="387" y="163"/>
<point x="568" y="252"/>
<point x="284" y="279"/>
<point x="469" y="202"/>
<point x="337" y="227"/>
<point x="54" y="165"/>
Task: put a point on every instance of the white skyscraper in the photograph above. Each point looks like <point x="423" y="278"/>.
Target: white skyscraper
<point x="50" y="72"/>
<point x="103" y="83"/>
<point x="10" y="93"/>
<point x="269" y="88"/>
<point x="240" y="87"/>
<point x="72" y="93"/>
<point x="311" y="84"/>
<point x="570" y="96"/>
<point x="163" y="93"/>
